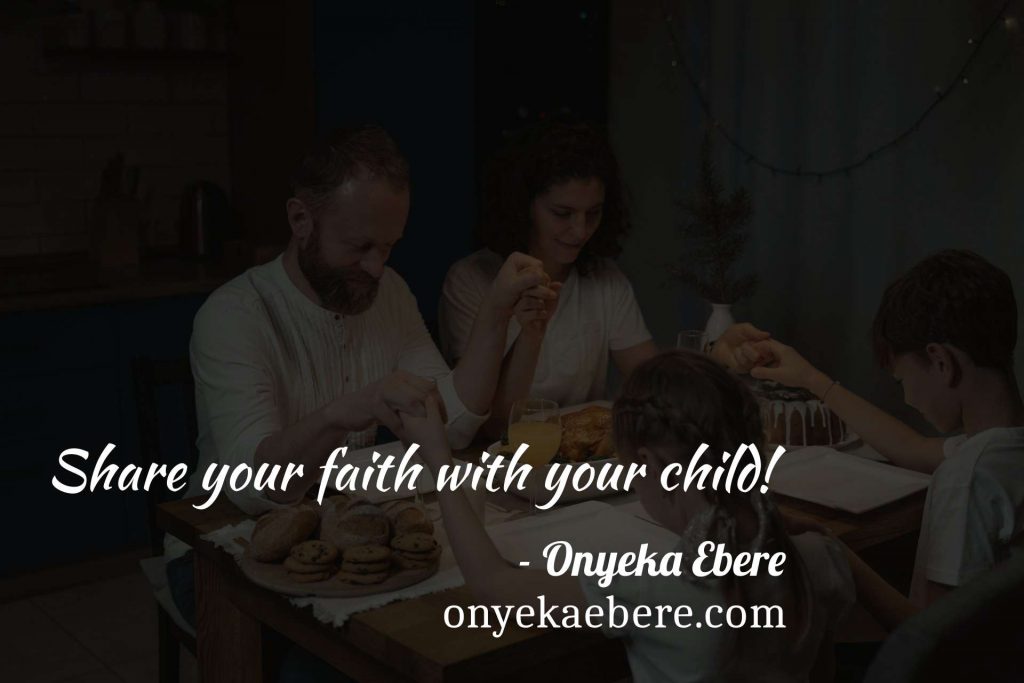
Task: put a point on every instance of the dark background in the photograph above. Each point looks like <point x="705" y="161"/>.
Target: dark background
<point x="804" y="84"/>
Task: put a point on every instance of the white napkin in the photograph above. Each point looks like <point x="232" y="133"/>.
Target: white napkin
<point x="336" y="611"/>
<point x="591" y="526"/>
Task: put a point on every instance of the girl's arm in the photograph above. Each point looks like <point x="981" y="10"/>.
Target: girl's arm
<point x="517" y="372"/>
<point x="491" y="578"/>
<point x="520" y="364"/>
<point x="904" y="446"/>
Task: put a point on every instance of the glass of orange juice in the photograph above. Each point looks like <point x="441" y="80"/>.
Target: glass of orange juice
<point x="537" y="423"/>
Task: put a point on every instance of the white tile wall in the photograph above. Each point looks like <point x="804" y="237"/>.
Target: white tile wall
<point x="61" y="122"/>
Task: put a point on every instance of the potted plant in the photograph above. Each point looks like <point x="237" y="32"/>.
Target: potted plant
<point x="714" y="237"/>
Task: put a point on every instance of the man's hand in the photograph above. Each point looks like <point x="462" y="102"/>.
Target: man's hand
<point x="788" y="367"/>
<point x="382" y="401"/>
<point x="427" y="431"/>
<point x="738" y="348"/>
<point x="519" y="274"/>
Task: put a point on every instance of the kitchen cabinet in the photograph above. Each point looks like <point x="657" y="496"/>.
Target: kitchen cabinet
<point x="67" y="383"/>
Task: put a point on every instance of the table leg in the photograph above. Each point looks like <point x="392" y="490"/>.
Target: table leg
<point x="229" y="642"/>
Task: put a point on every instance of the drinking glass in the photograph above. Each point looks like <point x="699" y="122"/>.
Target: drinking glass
<point x="537" y="423"/>
<point x="692" y="340"/>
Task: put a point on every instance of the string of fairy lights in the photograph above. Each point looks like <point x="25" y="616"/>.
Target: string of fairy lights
<point x="942" y="94"/>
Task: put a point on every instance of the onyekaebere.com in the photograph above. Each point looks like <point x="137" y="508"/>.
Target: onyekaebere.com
<point x="611" y="614"/>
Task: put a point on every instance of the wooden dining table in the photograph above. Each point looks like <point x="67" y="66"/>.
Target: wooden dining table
<point x="241" y="627"/>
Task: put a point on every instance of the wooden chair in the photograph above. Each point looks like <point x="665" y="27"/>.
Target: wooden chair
<point x="150" y="376"/>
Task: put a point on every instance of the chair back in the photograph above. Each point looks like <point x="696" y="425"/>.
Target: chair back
<point x="152" y="379"/>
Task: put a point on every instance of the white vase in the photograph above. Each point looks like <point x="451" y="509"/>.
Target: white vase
<point x="719" y="321"/>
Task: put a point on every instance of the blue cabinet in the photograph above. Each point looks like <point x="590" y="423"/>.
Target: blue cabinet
<point x="66" y="378"/>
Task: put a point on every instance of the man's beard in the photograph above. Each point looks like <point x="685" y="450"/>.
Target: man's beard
<point x="348" y="291"/>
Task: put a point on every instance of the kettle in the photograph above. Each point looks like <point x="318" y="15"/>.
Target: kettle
<point x="204" y="221"/>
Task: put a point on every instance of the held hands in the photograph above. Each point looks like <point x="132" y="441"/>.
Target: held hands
<point x="534" y="309"/>
<point x="428" y="431"/>
<point x="382" y="401"/>
<point x="788" y="367"/>
<point x="740" y="348"/>
<point x="744" y="348"/>
<point x="521" y="275"/>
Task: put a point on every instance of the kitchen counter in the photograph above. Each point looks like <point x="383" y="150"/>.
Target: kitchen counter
<point x="65" y="282"/>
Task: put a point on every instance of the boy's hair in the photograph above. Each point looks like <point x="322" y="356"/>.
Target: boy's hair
<point x="952" y="297"/>
<point x="532" y="162"/>
<point x="344" y="154"/>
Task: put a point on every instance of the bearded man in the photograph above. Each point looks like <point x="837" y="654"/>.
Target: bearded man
<point x="315" y="349"/>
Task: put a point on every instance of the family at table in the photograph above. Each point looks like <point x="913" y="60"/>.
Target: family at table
<point x="324" y="344"/>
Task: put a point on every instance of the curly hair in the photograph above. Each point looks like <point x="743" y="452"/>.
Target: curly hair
<point x="531" y="163"/>
<point x="952" y="297"/>
<point x="344" y="154"/>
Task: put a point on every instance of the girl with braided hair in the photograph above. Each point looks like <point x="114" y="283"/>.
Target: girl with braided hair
<point x="670" y="405"/>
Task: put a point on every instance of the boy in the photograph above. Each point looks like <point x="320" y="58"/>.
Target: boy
<point x="946" y="330"/>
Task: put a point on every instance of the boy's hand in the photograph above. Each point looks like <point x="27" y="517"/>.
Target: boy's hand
<point x="788" y="367"/>
<point x="428" y="431"/>
<point x="738" y="349"/>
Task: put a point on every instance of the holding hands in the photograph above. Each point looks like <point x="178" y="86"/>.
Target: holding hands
<point x="744" y="348"/>
<point x="385" y="400"/>
<point x="523" y="277"/>
<point x="741" y="347"/>
<point x="428" y="431"/>
<point x="785" y="365"/>
<point x="535" y="307"/>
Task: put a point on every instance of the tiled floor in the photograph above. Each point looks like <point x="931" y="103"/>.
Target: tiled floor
<point x="94" y="633"/>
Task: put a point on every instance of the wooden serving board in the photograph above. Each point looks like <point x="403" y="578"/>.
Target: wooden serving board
<point x="274" y="576"/>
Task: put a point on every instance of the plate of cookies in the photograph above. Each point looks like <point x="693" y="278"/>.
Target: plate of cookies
<point x="348" y="548"/>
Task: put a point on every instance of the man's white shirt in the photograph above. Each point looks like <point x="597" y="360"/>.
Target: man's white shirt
<point x="264" y="356"/>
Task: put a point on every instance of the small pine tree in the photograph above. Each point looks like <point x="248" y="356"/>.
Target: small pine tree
<point x="714" y="237"/>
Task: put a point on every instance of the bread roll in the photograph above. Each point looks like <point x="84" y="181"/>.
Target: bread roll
<point x="357" y="527"/>
<point x="278" y="530"/>
<point x="408" y="517"/>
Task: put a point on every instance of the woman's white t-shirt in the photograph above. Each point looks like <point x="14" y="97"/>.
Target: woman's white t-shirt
<point x="702" y="653"/>
<point x="596" y="313"/>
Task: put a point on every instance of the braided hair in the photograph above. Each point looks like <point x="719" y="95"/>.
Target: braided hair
<point x="679" y="400"/>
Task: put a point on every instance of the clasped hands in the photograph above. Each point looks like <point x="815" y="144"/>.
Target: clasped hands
<point x="521" y="289"/>
<point x="745" y="349"/>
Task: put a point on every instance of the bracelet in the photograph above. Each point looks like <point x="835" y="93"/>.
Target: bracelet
<point x="825" y="395"/>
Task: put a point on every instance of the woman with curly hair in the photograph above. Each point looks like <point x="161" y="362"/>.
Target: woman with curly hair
<point x="555" y="193"/>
